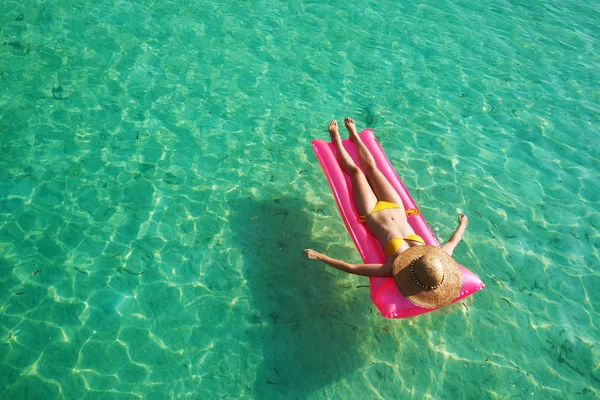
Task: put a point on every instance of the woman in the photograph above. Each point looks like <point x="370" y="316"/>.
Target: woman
<point x="427" y="276"/>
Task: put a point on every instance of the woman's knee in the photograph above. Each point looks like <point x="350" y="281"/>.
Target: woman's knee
<point x="370" y="167"/>
<point x="354" y="172"/>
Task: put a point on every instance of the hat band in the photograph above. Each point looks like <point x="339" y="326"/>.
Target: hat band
<point x="412" y="272"/>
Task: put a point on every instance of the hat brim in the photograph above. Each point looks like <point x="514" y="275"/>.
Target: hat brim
<point x="427" y="298"/>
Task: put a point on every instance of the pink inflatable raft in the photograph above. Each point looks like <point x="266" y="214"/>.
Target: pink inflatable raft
<point x="384" y="293"/>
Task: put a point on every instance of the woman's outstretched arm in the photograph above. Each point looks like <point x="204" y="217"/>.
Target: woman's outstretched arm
<point x="449" y="246"/>
<point x="380" y="270"/>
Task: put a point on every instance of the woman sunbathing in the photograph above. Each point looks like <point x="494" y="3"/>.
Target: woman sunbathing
<point x="427" y="276"/>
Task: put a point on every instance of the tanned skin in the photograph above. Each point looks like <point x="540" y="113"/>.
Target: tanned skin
<point x="367" y="189"/>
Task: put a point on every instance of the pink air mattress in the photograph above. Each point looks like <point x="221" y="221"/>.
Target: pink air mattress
<point x="384" y="293"/>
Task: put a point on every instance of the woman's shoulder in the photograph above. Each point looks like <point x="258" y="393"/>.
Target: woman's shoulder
<point x="388" y="266"/>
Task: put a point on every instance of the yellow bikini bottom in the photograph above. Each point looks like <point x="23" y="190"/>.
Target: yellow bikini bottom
<point x="385" y="205"/>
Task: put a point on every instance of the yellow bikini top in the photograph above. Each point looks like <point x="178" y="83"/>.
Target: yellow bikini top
<point x="394" y="244"/>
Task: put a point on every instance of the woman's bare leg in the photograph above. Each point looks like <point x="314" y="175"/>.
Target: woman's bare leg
<point x="380" y="185"/>
<point x="364" y="198"/>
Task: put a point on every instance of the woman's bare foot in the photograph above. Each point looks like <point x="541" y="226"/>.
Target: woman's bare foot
<point x="349" y="122"/>
<point x="333" y="131"/>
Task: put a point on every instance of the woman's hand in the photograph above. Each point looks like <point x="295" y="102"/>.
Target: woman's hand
<point x="310" y="254"/>
<point x="449" y="246"/>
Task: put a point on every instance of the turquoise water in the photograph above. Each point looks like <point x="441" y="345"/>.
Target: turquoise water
<point x="158" y="185"/>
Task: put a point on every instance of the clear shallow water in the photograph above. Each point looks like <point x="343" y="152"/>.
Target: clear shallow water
<point x="155" y="168"/>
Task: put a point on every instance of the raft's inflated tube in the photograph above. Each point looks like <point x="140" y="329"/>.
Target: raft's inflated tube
<point x="384" y="293"/>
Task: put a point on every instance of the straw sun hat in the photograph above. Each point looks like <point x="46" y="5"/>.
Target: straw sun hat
<point x="427" y="276"/>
